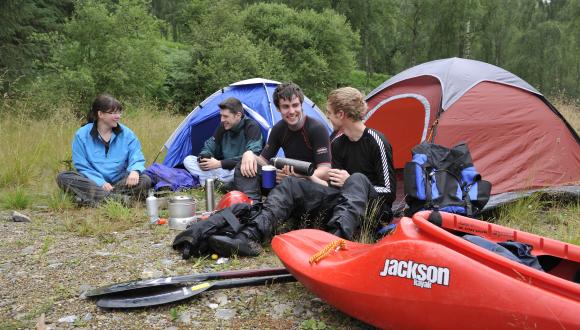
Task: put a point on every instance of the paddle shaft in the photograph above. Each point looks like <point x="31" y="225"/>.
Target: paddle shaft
<point x="143" y="285"/>
<point x="171" y="295"/>
<point x="241" y="282"/>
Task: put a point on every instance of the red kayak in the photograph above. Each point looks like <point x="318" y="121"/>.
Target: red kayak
<point x="422" y="276"/>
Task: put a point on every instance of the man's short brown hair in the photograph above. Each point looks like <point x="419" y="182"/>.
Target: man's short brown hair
<point x="232" y="104"/>
<point x="287" y="91"/>
<point x="349" y="100"/>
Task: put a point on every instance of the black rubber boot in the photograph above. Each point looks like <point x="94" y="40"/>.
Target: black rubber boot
<point x="244" y="244"/>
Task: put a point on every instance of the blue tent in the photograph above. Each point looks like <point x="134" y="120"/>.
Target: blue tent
<point x="256" y="97"/>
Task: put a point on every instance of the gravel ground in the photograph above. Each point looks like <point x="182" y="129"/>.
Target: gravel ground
<point x="44" y="270"/>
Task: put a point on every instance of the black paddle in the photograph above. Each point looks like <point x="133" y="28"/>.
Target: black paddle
<point x="153" y="284"/>
<point x="170" y="295"/>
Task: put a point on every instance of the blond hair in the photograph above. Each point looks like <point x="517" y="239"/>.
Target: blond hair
<point x="350" y="101"/>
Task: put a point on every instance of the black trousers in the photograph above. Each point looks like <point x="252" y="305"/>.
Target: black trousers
<point x="341" y="208"/>
<point x="251" y="186"/>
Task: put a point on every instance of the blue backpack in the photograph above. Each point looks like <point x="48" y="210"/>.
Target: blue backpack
<point x="439" y="178"/>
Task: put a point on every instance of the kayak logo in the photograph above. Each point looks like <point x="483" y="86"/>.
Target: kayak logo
<point x="423" y="276"/>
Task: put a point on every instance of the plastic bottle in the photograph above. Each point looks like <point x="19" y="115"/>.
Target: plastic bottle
<point x="152" y="207"/>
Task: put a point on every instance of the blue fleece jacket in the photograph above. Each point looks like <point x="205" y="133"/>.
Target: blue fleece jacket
<point x="91" y="160"/>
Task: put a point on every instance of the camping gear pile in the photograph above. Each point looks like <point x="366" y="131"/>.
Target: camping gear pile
<point x="227" y="221"/>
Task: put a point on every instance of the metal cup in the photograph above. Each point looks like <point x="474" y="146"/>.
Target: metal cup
<point x="209" y="195"/>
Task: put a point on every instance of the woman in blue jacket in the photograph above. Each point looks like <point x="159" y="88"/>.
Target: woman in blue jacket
<point x="107" y="157"/>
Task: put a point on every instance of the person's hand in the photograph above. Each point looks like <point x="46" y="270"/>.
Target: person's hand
<point x="132" y="179"/>
<point x="337" y="177"/>
<point x="287" y="170"/>
<point x="207" y="164"/>
<point x="280" y="175"/>
<point x="107" y="187"/>
<point x="249" y="166"/>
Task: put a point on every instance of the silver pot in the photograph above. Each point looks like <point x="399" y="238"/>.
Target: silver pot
<point x="181" y="207"/>
<point x="180" y="223"/>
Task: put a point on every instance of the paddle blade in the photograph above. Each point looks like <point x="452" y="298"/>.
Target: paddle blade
<point x="138" y="286"/>
<point x="164" y="296"/>
<point x="171" y="295"/>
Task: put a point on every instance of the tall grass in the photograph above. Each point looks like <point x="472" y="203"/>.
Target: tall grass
<point x="570" y="109"/>
<point x="33" y="151"/>
<point x="370" y="222"/>
<point x="543" y="215"/>
<point x="17" y="198"/>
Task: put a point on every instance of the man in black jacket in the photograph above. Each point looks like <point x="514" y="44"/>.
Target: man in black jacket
<point x="362" y="169"/>
<point x="221" y="153"/>
<point x="300" y="137"/>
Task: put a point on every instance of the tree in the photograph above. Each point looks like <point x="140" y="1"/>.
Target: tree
<point x="110" y="48"/>
<point x="20" y="50"/>
<point x="318" y="48"/>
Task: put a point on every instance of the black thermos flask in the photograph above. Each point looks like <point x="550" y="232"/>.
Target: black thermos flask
<point x="300" y="167"/>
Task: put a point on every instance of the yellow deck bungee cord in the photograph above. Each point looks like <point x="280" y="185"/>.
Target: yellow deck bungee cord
<point x="336" y="245"/>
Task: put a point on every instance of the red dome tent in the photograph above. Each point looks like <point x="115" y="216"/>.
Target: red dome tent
<point x="518" y="140"/>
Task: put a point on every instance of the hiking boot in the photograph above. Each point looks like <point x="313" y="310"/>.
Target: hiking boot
<point x="240" y="245"/>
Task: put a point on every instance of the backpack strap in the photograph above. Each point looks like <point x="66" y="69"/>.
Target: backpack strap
<point x="231" y="219"/>
<point x="428" y="172"/>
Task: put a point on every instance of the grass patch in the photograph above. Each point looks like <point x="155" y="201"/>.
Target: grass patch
<point x="543" y="215"/>
<point x="115" y="211"/>
<point x="59" y="201"/>
<point x="109" y="217"/>
<point x="370" y="222"/>
<point x="32" y="149"/>
<point x="12" y="324"/>
<point x="313" y="324"/>
<point x="18" y="199"/>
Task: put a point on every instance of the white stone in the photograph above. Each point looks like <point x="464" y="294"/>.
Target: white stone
<point x="68" y="319"/>
<point x="225" y="314"/>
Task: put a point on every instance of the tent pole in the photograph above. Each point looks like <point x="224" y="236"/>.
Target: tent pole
<point x="159" y="153"/>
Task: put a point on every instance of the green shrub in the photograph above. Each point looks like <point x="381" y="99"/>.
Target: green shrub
<point x="18" y="199"/>
<point x="59" y="201"/>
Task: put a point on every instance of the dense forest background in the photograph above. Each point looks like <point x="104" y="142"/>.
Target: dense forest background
<point x="176" y="52"/>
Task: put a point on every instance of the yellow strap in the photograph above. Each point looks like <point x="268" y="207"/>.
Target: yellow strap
<point x="431" y="130"/>
<point x="336" y="245"/>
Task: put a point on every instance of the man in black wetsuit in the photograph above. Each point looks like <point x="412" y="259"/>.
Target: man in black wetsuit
<point x="362" y="169"/>
<point x="301" y="137"/>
